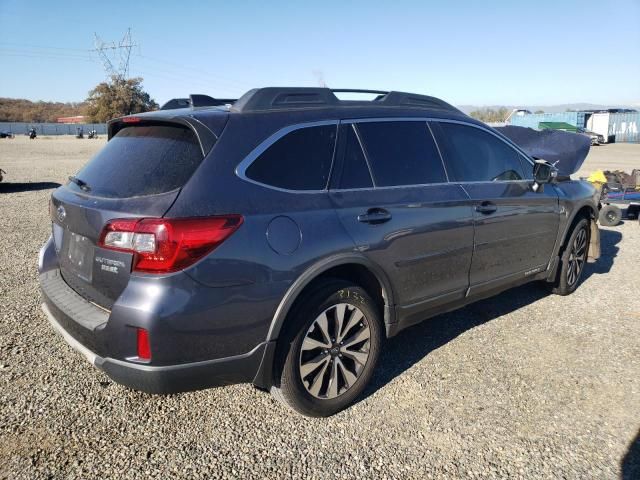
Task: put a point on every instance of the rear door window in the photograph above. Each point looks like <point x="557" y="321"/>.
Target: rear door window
<point x="355" y="172"/>
<point x="401" y="153"/>
<point x="473" y="155"/>
<point x="301" y="160"/>
<point x="142" y="160"/>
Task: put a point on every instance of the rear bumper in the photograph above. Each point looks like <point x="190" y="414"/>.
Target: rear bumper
<point x="171" y="378"/>
<point x="201" y="337"/>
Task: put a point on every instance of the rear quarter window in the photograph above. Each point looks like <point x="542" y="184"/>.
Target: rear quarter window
<point x="301" y="160"/>
<point x="142" y="160"/>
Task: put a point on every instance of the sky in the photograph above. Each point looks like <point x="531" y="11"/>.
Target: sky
<point x="489" y="52"/>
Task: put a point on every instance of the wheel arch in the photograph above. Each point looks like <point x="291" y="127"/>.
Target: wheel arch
<point x="589" y="212"/>
<point x="347" y="266"/>
<point x="333" y="267"/>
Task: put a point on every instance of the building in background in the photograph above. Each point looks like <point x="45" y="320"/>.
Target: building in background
<point x="74" y="119"/>
<point x="615" y="124"/>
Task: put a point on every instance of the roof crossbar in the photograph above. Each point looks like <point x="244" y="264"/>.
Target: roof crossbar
<point x="358" y="90"/>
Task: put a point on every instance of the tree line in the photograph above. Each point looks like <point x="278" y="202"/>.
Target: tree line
<point x="22" y="110"/>
<point x="111" y="99"/>
<point x="490" y="115"/>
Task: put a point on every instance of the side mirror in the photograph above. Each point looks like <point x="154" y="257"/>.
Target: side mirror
<point x="543" y="172"/>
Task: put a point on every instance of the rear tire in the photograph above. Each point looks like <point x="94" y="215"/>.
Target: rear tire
<point x="609" y="216"/>
<point x="573" y="259"/>
<point x="330" y="349"/>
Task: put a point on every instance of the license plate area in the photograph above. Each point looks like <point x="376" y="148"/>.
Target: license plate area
<point x="77" y="255"/>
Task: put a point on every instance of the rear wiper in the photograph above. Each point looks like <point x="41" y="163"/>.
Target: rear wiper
<point x="84" y="186"/>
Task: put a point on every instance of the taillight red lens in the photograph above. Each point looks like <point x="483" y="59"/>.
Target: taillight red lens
<point x="162" y="245"/>
<point x="144" y="348"/>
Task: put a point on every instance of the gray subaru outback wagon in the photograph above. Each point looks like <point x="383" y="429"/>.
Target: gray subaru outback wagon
<point x="280" y="238"/>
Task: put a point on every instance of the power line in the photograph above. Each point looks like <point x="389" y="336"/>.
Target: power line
<point x="192" y="83"/>
<point x="106" y="53"/>
<point x="208" y="73"/>
<point x="53" y="56"/>
<point x="44" y="47"/>
<point x="45" y="52"/>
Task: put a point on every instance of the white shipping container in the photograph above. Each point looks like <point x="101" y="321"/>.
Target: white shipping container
<point x="599" y="123"/>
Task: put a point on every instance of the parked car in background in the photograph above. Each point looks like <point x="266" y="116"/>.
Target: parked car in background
<point x="596" y="138"/>
<point x="279" y="240"/>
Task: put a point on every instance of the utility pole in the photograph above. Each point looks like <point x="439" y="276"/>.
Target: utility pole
<point x="108" y="51"/>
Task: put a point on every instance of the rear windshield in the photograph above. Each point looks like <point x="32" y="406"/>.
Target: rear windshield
<point x="138" y="161"/>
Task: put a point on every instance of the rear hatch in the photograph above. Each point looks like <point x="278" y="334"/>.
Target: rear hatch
<point x="139" y="173"/>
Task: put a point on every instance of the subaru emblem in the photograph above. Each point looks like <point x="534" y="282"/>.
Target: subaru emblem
<point x="62" y="213"/>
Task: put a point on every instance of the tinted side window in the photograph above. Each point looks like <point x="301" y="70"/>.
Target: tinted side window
<point x="473" y="155"/>
<point x="301" y="160"/>
<point x="401" y="153"/>
<point x="355" y="172"/>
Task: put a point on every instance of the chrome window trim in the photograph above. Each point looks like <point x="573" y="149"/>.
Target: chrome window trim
<point x="392" y="187"/>
<point x="241" y="168"/>
<point x="364" y="153"/>
<point x="435" y="141"/>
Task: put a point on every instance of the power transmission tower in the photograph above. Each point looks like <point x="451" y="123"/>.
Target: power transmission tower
<point x="108" y="51"/>
<point x="319" y="74"/>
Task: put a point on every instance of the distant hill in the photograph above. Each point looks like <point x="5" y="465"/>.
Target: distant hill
<point x="21" y="110"/>
<point x="545" y="108"/>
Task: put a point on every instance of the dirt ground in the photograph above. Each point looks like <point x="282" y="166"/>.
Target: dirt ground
<point x="614" y="156"/>
<point x="523" y="385"/>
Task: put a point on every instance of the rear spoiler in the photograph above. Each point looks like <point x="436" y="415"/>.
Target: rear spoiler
<point x="206" y="137"/>
<point x="195" y="101"/>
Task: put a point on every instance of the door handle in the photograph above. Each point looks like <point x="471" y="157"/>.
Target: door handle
<point x="375" y="216"/>
<point x="486" y="208"/>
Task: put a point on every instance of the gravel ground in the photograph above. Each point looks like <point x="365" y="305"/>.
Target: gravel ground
<point x="524" y="385"/>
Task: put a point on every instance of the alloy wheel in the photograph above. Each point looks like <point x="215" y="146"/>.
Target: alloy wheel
<point x="334" y="351"/>
<point x="577" y="257"/>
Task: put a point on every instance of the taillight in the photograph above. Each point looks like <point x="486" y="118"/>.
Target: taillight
<point x="163" y="245"/>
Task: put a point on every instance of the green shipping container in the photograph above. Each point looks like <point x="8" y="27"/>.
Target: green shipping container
<point x="566" y="127"/>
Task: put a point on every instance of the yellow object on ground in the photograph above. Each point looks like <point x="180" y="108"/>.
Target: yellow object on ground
<point x="597" y="177"/>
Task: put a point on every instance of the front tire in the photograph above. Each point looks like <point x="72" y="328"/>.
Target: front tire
<point x="329" y="350"/>
<point x="573" y="259"/>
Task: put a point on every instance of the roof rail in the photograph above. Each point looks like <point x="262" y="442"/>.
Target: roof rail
<point x="286" y="98"/>
<point x="275" y="98"/>
<point x="176" y="103"/>
<point x="195" y="101"/>
<point x="405" y="99"/>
